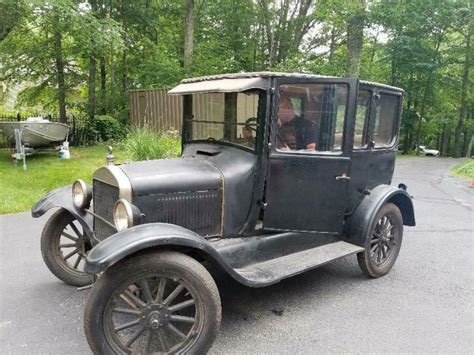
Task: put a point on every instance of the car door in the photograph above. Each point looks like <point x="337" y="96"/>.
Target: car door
<point x="306" y="189"/>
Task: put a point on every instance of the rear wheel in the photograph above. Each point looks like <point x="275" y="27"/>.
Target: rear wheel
<point x="383" y="242"/>
<point x="164" y="302"/>
<point x="64" y="248"/>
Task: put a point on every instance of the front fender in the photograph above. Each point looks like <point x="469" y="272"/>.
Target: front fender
<point x="132" y="240"/>
<point x="358" y="224"/>
<point x="62" y="197"/>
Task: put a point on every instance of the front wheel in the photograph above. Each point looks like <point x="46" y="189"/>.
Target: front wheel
<point x="383" y="242"/>
<point x="64" y="248"/>
<point x="162" y="302"/>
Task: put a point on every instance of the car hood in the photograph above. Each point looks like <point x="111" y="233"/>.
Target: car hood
<point x="172" y="176"/>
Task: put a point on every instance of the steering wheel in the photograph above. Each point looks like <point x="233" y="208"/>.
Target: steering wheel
<point x="248" y="123"/>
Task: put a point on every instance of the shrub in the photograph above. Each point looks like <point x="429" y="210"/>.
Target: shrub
<point x="142" y="144"/>
<point x="108" y="128"/>
<point x="466" y="169"/>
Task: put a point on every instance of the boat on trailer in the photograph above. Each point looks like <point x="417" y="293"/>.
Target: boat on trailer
<point x="35" y="131"/>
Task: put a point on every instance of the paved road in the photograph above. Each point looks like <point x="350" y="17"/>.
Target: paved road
<point x="424" y="305"/>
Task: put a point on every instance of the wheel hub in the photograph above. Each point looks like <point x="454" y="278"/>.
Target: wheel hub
<point x="155" y="316"/>
<point x="154" y="322"/>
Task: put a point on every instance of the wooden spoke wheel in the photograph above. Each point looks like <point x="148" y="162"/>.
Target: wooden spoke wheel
<point x="163" y="302"/>
<point x="64" y="248"/>
<point x="383" y="242"/>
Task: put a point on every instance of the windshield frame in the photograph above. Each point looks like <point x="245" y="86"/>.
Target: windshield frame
<point x="260" y="124"/>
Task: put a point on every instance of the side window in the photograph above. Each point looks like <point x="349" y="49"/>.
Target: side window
<point x="386" y="120"/>
<point x="310" y="117"/>
<point x="361" y="121"/>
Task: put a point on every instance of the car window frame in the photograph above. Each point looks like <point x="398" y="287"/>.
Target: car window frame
<point x="368" y="114"/>
<point x="349" y="115"/>
<point x="260" y="124"/>
<point x="396" y="124"/>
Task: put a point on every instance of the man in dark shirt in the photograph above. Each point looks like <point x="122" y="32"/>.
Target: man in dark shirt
<point x="294" y="132"/>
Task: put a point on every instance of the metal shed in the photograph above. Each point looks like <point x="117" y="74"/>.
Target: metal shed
<point x="155" y="109"/>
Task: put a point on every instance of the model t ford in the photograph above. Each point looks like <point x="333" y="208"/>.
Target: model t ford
<point x="279" y="174"/>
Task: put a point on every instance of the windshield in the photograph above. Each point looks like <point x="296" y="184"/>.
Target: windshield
<point x="224" y="117"/>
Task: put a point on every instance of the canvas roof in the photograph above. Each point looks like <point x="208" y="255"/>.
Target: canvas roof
<point x="238" y="82"/>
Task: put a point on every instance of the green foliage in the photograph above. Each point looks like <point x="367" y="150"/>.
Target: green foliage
<point x="107" y="128"/>
<point x="28" y="53"/>
<point x="420" y="46"/>
<point x="142" y="144"/>
<point x="19" y="189"/>
<point x="465" y="169"/>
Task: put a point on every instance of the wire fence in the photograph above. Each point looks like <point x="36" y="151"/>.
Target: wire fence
<point x="80" y="131"/>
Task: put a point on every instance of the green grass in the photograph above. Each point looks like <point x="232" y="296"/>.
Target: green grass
<point x="464" y="169"/>
<point x="19" y="189"/>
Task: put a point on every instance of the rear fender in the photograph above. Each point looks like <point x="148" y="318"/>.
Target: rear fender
<point x="62" y="198"/>
<point x="358" y="224"/>
<point x="151" y="235"/>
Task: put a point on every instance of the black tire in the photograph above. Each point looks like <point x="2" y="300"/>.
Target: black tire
<point x="64" y="248"/>
<point x="383" y="242"/>
<point x="129" y="293"/>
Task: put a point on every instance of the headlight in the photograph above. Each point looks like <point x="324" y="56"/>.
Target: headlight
<point x="81" y="194"/>
<point x="126" y="215"/>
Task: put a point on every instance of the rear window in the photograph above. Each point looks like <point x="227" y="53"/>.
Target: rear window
<point x="385" y="123"/>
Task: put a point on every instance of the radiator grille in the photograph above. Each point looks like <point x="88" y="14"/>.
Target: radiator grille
<point x="104" y="196"/>
<point x="198" y="211"/>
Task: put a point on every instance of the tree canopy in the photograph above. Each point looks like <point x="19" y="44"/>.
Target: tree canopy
<point x="84" y="56"/>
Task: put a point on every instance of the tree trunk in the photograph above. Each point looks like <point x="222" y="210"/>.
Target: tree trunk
<point x="91" y="102"/>
<point x="393" y="74"/>
<point x="112" y="85"/>
<point x="372" y="53"/>
<point x="332" y="45"/>
<point x="124" y="70"/>
<point x="445" y="140"/>
<point x="103" y="93"/>
<point x="91" y="86"/>
<point x="355" y="36"/>
<point x="60" y="74"/>
<point x="464" y="96"/>
<point x="428" y="87"/>
<point x="406" y="141"/>
<point x="189" y="36"/>
<point x="469" y="147"/>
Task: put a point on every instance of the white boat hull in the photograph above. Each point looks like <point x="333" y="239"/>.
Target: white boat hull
<point x="35" y="134"/>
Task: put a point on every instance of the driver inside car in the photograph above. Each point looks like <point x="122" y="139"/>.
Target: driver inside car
<point x="247" y="135"/>
<point x="294" y="132"/>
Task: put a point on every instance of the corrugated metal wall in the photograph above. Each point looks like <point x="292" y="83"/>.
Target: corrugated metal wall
<point x="156" y="110"/>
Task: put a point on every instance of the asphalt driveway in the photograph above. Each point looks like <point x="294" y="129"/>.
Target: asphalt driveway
<point x="424" y="305"/>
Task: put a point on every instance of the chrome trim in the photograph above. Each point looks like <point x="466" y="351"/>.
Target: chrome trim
<point x="129" y="211"/>
<point x="86" y="194"/>
<point x="115" y="176"/>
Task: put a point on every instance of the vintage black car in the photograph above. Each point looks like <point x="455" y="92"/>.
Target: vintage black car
<point x="279" y="174"/>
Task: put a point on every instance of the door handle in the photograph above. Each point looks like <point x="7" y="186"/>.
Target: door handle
<point x="343" y="177"/>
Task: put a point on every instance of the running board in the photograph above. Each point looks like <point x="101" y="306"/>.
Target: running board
<point x="272" y="271"/>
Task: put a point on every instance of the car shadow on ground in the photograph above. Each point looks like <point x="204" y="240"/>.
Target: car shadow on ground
<point x="240" y="302"/>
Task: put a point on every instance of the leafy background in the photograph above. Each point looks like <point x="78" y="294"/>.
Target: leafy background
<point x="77" y="57"/>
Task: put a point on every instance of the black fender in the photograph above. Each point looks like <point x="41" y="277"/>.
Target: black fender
<point x="358" y="224"/>
<point x="62" y="197"/>
<point x="152" y="235"/>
